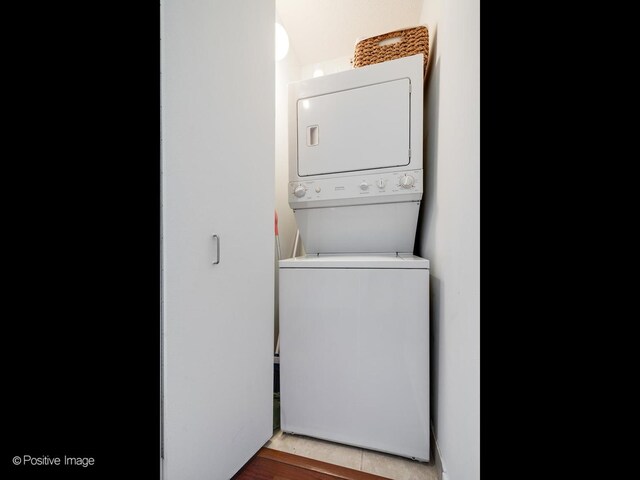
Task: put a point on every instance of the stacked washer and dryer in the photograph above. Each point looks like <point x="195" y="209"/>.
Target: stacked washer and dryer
<point x="354" y="311"/>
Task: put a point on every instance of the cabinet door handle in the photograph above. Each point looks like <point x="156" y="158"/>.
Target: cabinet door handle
<point x="217" y="239"/>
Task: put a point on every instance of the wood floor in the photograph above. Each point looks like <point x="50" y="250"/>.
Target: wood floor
<point x="270" y="464"/>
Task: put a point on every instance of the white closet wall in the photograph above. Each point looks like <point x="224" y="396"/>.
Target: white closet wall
<point x="450" y="229"/>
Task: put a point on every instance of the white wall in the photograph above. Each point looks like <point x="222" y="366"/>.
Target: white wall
<point x="449" y="230"/>
<point x="287" y="70"/>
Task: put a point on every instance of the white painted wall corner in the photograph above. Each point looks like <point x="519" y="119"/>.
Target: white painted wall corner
<point x="437" y="457"/>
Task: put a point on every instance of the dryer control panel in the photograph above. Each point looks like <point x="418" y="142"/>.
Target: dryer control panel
<point x="357" y="189"/>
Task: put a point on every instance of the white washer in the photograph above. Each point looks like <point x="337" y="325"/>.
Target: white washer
<point x="354" y="350"/>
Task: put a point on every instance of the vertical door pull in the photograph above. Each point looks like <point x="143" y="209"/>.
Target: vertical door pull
<point x="217" y="239"/>
<point x="312" y="136"/>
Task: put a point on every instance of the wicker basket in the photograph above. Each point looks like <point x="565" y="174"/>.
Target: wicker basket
<point x="412" y="41"/>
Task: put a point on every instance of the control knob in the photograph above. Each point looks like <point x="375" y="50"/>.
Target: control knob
<point x="300" y="191"/>
<point x="406" y="181"/>
<point x="380" y="183"/>
<point x="364" y="186"/>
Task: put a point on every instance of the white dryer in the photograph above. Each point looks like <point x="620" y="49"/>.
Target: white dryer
<point x="355" y="158"/>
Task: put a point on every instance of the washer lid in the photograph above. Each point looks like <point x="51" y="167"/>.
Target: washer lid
<point x="380" y="260"/>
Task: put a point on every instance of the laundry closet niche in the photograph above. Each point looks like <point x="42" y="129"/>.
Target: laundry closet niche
<point x="349" y="164"/>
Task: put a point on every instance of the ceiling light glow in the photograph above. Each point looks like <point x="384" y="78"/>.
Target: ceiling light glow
<point x="282" y="42"/>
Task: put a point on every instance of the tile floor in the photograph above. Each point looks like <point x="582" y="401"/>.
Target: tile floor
<point x="390" y="466"/>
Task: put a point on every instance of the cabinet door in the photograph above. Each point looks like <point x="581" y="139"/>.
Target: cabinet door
<point x="217" y="99"/>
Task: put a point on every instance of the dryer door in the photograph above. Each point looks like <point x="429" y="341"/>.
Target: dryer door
<point x="357" y="129"/>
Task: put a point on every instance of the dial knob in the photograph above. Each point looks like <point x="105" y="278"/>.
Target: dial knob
<point x="300" y="191"/>
<point x="380" y="183"/>
<point x="406" y="181"/>
<point x="364" y="186"/>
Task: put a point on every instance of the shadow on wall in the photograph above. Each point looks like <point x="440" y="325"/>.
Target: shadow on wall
<point x="425" y="235"/>
<point x="428" y="206"/>
<point x="435" y="292"/>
